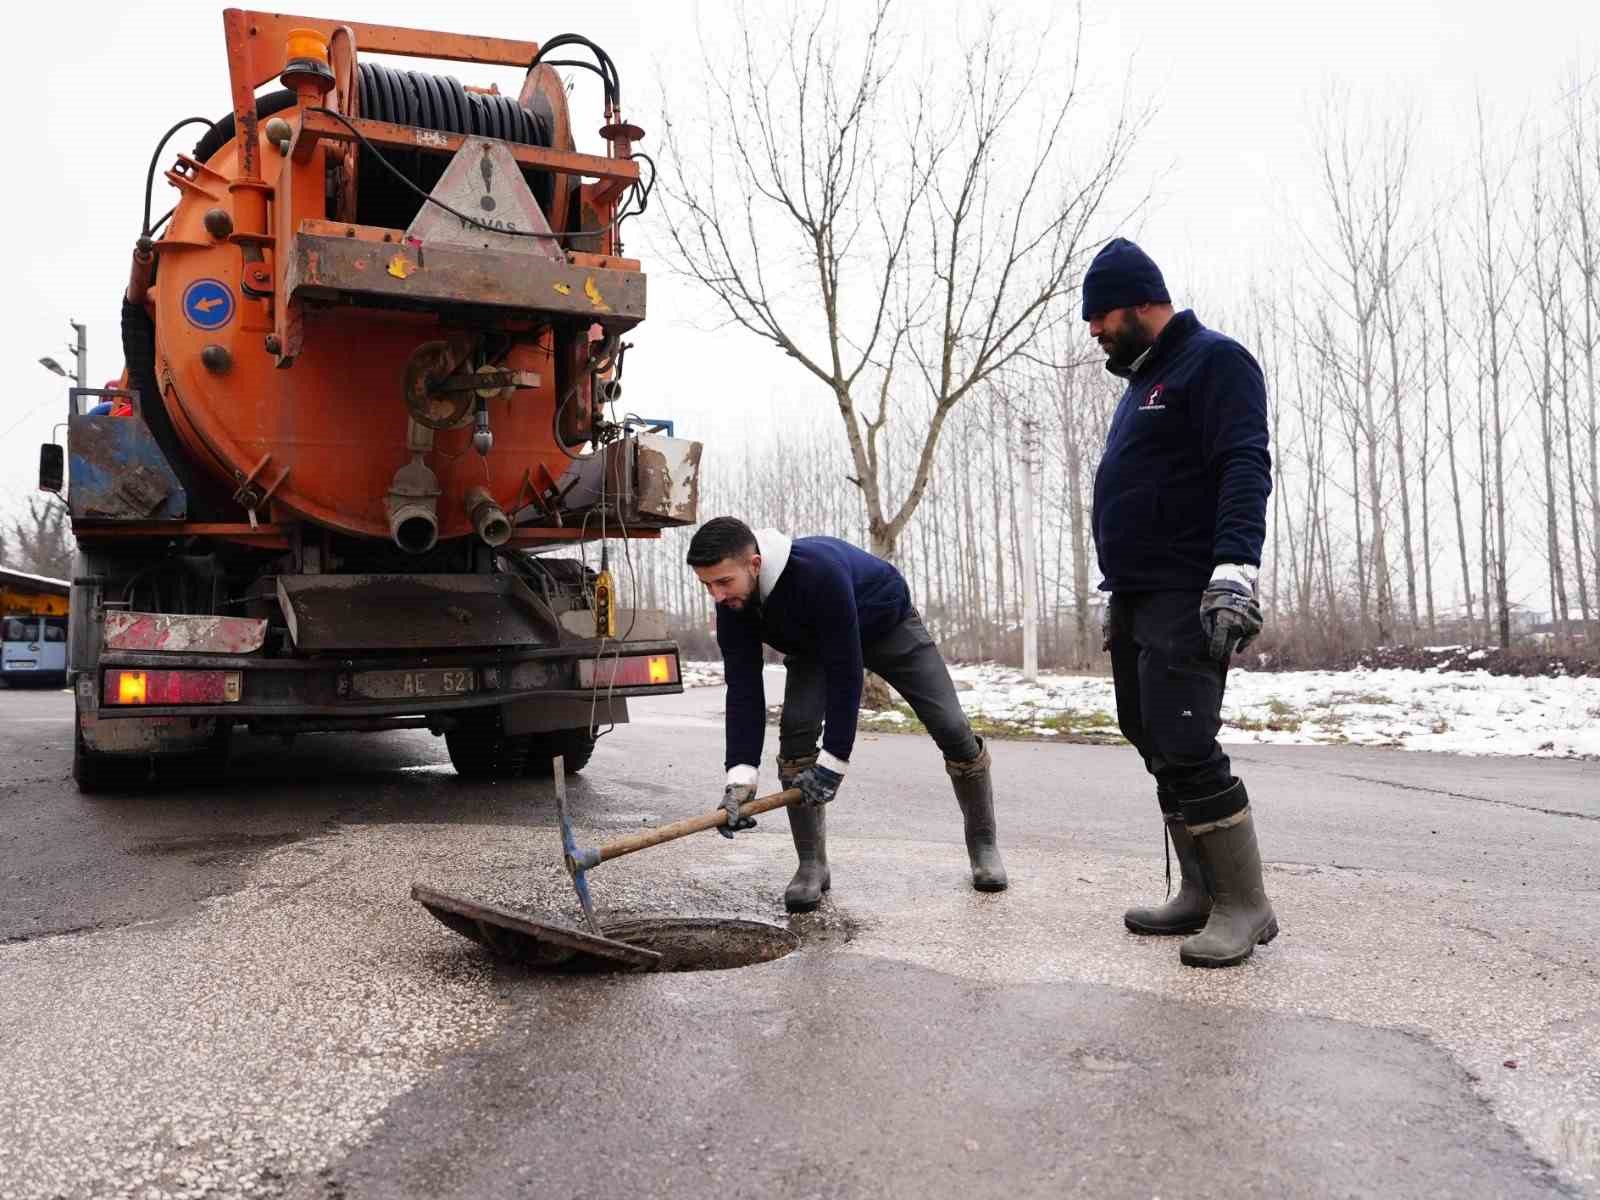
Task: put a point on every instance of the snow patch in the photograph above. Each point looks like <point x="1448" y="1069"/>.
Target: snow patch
<point x="1459" y="712"/>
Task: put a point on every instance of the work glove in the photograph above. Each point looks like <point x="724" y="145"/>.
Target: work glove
<point x="818" y="785"/>
<point x="733" y="796"/>
<point x="1229" y="614"/>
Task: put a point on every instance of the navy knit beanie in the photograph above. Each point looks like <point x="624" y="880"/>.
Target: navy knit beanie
<point x="1121" y="276"/>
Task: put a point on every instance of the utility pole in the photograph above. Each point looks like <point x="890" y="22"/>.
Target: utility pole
<point x="82" y="351"/>
<point x="1030" y="569"/>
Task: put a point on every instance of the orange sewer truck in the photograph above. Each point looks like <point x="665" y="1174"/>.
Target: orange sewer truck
<point x="373" y="365"/>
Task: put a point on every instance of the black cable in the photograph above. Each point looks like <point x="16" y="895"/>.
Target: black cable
<point x="457" y="213"/>
<point x="581" y="65"/>
<point x="163" y="220"/>
<point x="642" y="189"/>
<point x="555" y="423"/>
<point x="150" y="175"/>
<point x="608" y="68"/>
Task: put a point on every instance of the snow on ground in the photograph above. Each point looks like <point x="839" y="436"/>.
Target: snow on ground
<point x="700" y="674"/>
<point x="1459" y="712"/>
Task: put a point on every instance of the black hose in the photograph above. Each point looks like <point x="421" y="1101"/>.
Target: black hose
<point x="222" y="130"/>
<point x="606" y="68"/>
<point x="435" y="102"/>
<point x="155" y="159"/>
<point x="139" y="356"/>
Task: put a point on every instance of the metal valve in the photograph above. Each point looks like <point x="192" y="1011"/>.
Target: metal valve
<point x="482" y="435"/>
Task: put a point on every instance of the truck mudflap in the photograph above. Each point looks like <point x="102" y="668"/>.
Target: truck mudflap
<point x="374" y="688"/>
<point x="150" y="736"/>
<point x="328" y="613"/>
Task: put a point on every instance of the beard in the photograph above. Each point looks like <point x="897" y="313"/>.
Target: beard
<point x="1125" y="346"/>
<point x="751" y="599"/>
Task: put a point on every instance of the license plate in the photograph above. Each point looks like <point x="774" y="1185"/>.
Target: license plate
<point x="403" y="685"/>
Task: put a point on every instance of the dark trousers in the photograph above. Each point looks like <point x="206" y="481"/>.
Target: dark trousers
<point x="1169" y="693"/>
<point x="909" y="661"/>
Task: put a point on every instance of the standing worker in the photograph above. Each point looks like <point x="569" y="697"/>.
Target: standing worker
<point x="832" y="610"/>
<point x="1180" y="503"/>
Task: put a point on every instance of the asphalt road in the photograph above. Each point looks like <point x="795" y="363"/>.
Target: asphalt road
<point x="224" y="990"/>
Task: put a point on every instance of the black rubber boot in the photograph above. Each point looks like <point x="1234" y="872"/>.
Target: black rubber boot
<point x="975" y="794"/>
<point x="1187" y="911"/>
<point x="808" y="826"/>
<point x="1241" y="918"/>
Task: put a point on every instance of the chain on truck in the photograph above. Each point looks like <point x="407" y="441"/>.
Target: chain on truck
<point x="373" y="364"/>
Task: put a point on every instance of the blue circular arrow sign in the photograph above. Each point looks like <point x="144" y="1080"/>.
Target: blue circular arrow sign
<point x="208" y="303"/>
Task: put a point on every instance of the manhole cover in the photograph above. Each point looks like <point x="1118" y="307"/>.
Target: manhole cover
<point x="704" y="943"/>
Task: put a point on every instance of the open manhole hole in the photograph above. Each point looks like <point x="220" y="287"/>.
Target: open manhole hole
<point x="703" y="943"/>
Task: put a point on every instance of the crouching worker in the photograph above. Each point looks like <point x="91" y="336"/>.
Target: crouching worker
<point x="832" y="610"/>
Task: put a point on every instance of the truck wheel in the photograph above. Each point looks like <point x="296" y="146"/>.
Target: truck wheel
<point x="576" y="747"/>
<point x="479" y="749"/>
<point x="96" y="774"/>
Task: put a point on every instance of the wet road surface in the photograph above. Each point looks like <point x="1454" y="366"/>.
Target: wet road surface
<point x="224" y="990"/>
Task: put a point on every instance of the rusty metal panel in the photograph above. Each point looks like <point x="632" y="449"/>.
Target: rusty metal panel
<point x="116" y="470"/>
<point x="544" y="714"/>
<point x="320" y="227"/>
<point x="431" y="277"/>
<point x="182" y="633"/>
<point x="633" y="624"/>
<point x="413" y="612"/>
<point x="147" y="735"/>
<point x="667" y="479"/>
<point x="647" y="480"/>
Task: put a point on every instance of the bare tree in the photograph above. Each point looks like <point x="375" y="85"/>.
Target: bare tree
<point x="1425" y="435"/>
<point x="40" y="540"/>
<point x="1364" y="174"/>
<point x="931" y="260"/>
<point x="1565" y="335"/>
<point x="1394" y="310"/>
<point x="1451" y="423"/>
<point x="1581" y="159"/>
<point x="1544" y="277"/>
<point x="1081" y="436"/>
<point x="1497" y="268"/>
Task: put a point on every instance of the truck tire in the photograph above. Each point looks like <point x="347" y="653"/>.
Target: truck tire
<point x="575" y="746"/>
<point x="96" y="774"/>
<point x="480" y="749"/>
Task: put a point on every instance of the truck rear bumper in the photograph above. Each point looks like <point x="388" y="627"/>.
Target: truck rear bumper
<point x="367" y="691"/>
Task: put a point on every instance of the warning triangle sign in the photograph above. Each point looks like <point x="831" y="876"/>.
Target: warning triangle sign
<point x="484" y="184"/>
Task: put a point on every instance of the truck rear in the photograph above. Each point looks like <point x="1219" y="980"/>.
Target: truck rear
<point x="373" y="363"/>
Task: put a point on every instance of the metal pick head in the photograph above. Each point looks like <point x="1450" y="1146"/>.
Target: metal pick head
<point x="569" y="847"/>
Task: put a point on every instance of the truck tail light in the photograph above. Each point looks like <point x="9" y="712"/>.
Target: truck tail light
<point x="172" y="687"/>
<point x="629" y="670"/>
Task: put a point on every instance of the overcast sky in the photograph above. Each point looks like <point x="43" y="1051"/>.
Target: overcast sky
<point x="1228" y="156"/>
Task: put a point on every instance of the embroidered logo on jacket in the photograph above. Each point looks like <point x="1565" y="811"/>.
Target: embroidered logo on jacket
<point x="1153" y="400"/>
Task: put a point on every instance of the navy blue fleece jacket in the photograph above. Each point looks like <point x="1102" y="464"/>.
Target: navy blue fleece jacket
<point x="821" y="599"/>
<point x="1182" y="486"/>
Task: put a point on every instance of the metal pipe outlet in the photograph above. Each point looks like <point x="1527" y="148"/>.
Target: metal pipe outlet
<point x="413" y="508"/>
<point x="488" y="518"/>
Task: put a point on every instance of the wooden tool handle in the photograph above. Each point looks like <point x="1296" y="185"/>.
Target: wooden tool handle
<point x="683" y="828"/>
